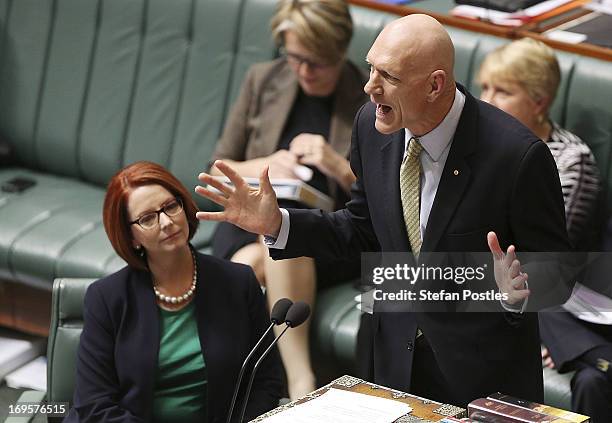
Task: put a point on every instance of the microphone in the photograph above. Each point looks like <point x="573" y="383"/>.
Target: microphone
<point x="297" y="314"/>
<point x="277" y="316"/>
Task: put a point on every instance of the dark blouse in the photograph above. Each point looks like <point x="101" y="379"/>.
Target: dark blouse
<point x="312" y="115"/>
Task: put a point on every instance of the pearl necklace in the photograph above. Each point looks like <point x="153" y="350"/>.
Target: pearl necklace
<point x="181" y="298"/>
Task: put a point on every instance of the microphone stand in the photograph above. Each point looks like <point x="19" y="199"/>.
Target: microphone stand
<point x="242" y="369"/>
<point x="252" y="378"/>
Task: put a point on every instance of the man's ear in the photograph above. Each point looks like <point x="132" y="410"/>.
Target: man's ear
<point x="437" y="82"/>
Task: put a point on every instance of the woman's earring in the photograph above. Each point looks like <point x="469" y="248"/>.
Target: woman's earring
<point x="140" y="250"/>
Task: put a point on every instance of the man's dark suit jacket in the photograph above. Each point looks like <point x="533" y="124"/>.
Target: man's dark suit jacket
<point x="117" y="356"/>
<point x="507" y="182"/>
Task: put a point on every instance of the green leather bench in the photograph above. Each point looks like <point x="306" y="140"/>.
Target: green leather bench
<point x="89" y="86"/>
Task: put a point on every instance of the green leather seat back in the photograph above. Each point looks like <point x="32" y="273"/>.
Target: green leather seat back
<point x="485" y="45"/>
<point x="559" y="106"/>
<point x="254" y="43"/>
<point x="64" y="335"/>
<point x="209" y="55"/>
<point x="366" y="26"/>
<point x="589" y="113"/>
<point x="24" y="30"/>
<point x="90" y="86"/>
<point x="465" y="47"/>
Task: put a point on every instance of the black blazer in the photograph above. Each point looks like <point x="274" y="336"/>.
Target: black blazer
<point x="568" y="337"/>
<point x="507" y="182"/>
<point x="117" y="355"/>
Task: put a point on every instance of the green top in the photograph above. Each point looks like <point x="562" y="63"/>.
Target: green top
<point x="180" y="380"/>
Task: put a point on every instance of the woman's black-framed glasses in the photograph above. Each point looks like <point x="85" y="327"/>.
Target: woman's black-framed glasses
<point x="297" y="60"/>
<point x="151" y="220"/>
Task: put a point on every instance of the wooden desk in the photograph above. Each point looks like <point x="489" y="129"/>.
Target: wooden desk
<point x="423" y="409"/>
<point x="439" y="9"/>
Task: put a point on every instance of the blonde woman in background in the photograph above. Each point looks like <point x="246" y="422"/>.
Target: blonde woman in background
<point x="295" y="111"/>
<point x="522" y="78"/>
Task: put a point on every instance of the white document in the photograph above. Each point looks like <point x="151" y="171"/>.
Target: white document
<point x="303" y="172"/>
<point x="507" y="18"/>
<point x="290" y="189"/>
<point x="603" y="6"/>
<point x="544" y="7"/>
<point x="339" y="406"/>
<point x="17" y="349"/>
<point x="589" y="305"/>
<point x="566" y="36"/>
<point x="31" y="376"/>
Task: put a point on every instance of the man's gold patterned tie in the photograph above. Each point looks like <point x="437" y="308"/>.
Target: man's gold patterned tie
<point x="410" y="188"/>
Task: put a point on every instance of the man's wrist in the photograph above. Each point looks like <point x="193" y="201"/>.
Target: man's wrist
<point x="519" y="306"/>
<point x="276" y="226"/>
<point x="280" y="241"/>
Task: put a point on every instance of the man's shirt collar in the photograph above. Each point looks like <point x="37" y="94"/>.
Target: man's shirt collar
<point x="436" y="141"/>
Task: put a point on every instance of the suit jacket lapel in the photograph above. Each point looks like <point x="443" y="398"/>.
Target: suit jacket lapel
<point x="455" y="176"/>
<point x="202" y="299"/>
<point x="346" y="100"/>
<point x="392" y="153"/>
<point x="148" y="328"/>
<point x="276" y="103"/>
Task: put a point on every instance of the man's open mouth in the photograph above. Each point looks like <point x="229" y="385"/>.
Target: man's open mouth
<point x="382" y="109"/>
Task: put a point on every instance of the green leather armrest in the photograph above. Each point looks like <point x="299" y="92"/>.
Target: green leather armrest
<point x="335" y="326"/>
<point x="64" y="334"/>
<point x="557" y="390"/>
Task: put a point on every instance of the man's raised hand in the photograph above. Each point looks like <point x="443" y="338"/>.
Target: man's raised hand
<point x="252" y="209"/>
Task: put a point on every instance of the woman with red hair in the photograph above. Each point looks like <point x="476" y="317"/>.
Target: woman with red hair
<point x="164" y="338"/>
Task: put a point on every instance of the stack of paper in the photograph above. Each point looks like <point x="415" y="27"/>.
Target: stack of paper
<point x="510" y="19"/>
<point x="17" y="349"/>
<point x="291" y="189"/>
<point x="603" y="6"/>
<point x="339" y="406"/>
<point x="31" y="376"/>
<point x="589" y="305"/>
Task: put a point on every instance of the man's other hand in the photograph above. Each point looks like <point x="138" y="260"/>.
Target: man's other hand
<point x="507" y="269"/>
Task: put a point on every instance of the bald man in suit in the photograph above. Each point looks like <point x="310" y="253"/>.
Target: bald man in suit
<point x="484" y="180"/>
